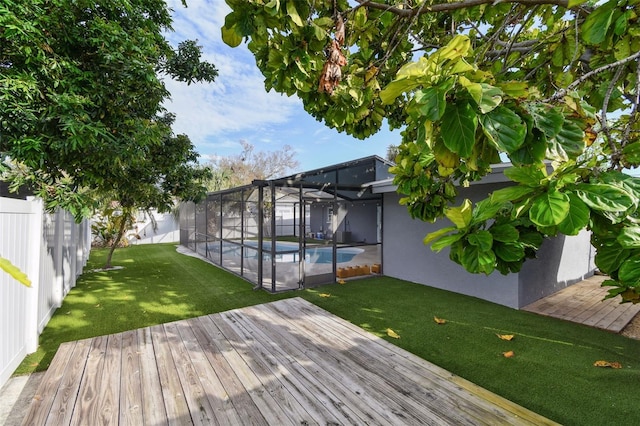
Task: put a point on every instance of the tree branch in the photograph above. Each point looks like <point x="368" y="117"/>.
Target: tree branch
<point x="561" y="93"/>
<point x="447" y="7"/>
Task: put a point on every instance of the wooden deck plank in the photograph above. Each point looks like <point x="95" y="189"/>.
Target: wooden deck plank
<point x="378" y="401"/>
<point x="246" y="347"/>
<point x="153" y="406"/>
<point x="253" y="385"/>
<point x="200" y="408"/>
<point x="173" y="395"/>
<point x="69" y="386"/>
<point x="439" y="393"/>
<point x="86" y="406"/>
<point x="286" y="363"/>
<point x="47" y="392"/>
<point x="239" y="397"/>
<point x="130" y="384"/>
<point x="627" y="315"/>
<point x="109" y="386"/>
<point x="300" y="376"/>
<point x="415" y="401"/>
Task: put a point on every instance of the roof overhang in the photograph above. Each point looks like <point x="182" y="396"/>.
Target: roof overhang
<point x="496" y="176"/>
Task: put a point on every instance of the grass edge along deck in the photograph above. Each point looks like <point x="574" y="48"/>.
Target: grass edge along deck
<point x="284" y="362"/>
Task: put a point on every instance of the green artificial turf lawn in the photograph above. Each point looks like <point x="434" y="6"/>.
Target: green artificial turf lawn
<point x="551" y="372"/>
<point x="156" y="285"/>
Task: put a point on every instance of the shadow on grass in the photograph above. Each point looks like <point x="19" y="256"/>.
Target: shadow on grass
<point x="156" y="285"/>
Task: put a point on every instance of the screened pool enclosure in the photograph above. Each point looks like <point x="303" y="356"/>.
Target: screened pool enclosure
<point x="299" y="231"/>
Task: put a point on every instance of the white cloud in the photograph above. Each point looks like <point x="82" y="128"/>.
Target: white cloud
<point x="237" y="100"/>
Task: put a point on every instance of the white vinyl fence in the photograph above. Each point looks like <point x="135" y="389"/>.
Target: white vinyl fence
<point x="52" y="250"/>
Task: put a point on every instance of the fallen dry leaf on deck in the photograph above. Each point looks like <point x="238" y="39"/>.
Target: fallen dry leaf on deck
<point x="505" y="336"/>
<point x="439" y="320"/>
<point x="508" y="354"/>
<point x="392" y="333"/>
<point x="607" y="364"/>
<point x="324" y="295"/>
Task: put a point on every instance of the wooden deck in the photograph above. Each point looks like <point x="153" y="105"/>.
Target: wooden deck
<point x="583" y="303"/>
<point x="286" y="362"/>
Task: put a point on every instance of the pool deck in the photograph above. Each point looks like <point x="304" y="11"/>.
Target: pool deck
<point x="286" y="363"/>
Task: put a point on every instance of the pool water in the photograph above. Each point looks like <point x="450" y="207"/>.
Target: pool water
<point x="287" y="252"/>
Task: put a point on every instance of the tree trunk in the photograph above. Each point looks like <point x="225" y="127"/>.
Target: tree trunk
<point x="116" y="241"/>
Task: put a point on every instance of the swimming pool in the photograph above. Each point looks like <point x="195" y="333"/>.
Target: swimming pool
<point x="285" y="252"/>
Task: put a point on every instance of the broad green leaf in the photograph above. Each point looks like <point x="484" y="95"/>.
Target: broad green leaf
<point x="433" y="103"/>
<point x="445" y="241"/>
<point x="515" y="89"/>
<point x="629" y="237"/>
<point x="532" y="151"/>
<point x="622" y="49"/>
<point x="461" y="215"/>
<point x="433" y="100"/>
<point x="474" y="89"/>
<point x="459" y="127"/>
<point x="578" y="217"/>
<point x="272" y="7"/>
<point x="595" y="27"/>
<point x="549" y="209"/>
<point x="631" y="153"/>
<point x="511" y="193"/>
<point x="459" y="66"/>
<point x="504" y="129"/>
<point x="318" y="32"/>
<point x="360" y="17"/>
<point x="482" y="239"/>
<point x="505" y="233"/>
<point x="629" y="272"/>
<point x="532" y="239"/>
<point x="476" y="260"/>
<point x="485" y="210"/>
<point x="444" y="156"/>
<point x="610" y="256"/>
<point x="396" y="88"/>
<point x="548" y="120"/>
<point x="526" y="175"/>
<point x="491" y="98"/>
<point x="458" y="47"/>
<point x="604" y="197"/>
<point x="14" y="271"/>
<point x="432" y="236"/>
<point x="487" y="97"/>
<point x="509" y="252"/>
<point x="231" y="37"/>
<point x="293" y="13"/>
<point x="568" y="143"/>
<point x="630" y="184"/>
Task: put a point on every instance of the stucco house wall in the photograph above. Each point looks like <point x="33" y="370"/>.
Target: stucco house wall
<point x="561" y="261"/>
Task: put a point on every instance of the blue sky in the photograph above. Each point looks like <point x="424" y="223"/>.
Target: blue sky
<point x="236" y="106"/>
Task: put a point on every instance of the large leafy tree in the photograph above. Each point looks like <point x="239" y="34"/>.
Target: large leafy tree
<point x="550" y="85"/>
<point x="163" y="172"/>
<point x="81" y="93"/>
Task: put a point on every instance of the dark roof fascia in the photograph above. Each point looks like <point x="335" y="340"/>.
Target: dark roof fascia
<point x="230" y="190"/>
<point x="295" y="179"/>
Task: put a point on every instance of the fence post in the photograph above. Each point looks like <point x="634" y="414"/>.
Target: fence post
<point x="33" y="272"/>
